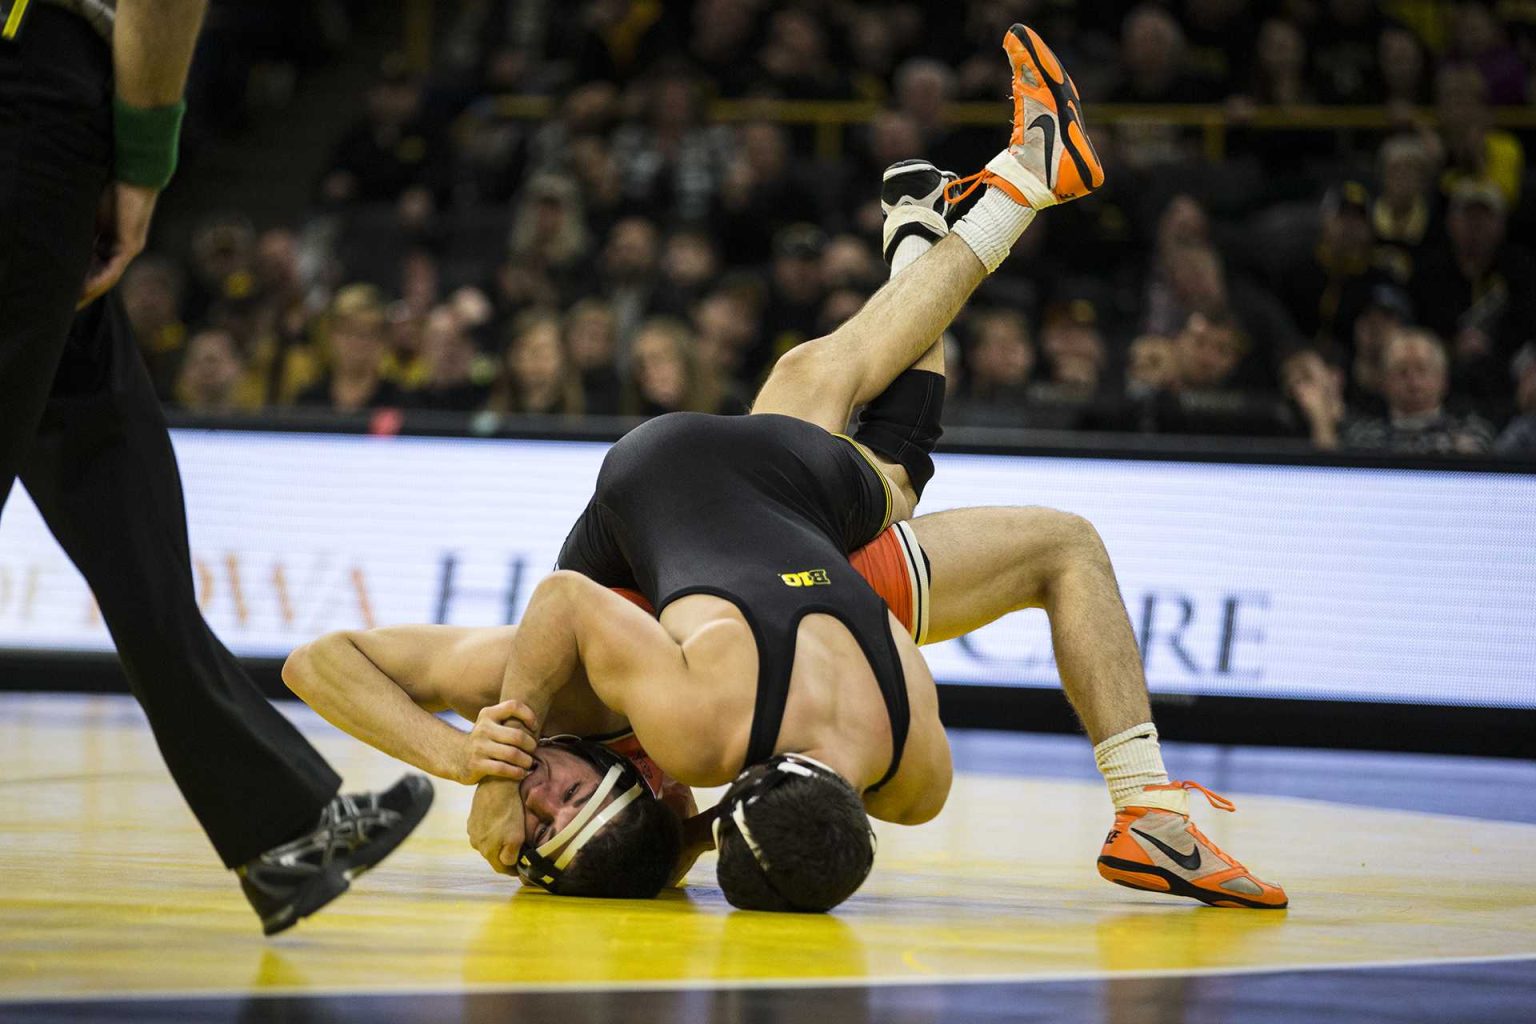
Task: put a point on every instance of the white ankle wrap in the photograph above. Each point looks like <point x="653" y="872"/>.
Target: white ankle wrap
<point x="992" y="226"/>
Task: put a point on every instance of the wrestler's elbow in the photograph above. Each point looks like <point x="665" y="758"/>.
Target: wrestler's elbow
<point x="299" y="671"/>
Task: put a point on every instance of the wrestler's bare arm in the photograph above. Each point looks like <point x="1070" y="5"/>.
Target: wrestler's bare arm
<point x="383" y="685"/>
<point x="669" y="691"/>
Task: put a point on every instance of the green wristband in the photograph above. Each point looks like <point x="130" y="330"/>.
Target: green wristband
<point x="148" y="140"/>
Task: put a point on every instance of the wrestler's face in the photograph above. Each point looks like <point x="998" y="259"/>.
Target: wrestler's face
<point x="555" y="791"/>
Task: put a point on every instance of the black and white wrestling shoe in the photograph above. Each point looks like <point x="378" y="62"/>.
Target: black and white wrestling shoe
<point x="912" y="200"/>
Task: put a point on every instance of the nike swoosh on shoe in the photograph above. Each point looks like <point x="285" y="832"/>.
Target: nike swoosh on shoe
<point x="1047" y="125"/>
<point x="1188" y="861"/>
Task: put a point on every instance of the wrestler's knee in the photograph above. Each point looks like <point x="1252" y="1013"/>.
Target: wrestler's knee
<point x="805" y="382"/>
<point x="1074" y="544"/>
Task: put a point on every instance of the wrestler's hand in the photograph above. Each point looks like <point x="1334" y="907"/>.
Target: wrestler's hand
<point x="501" y="744"/>
<point x="496" y="823"/>
<point x="698" y="839"/>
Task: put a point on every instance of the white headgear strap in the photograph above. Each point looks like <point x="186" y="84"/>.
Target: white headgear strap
<point x="590" y="821"/>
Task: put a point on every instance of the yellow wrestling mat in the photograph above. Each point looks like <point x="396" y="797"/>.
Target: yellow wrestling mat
<point x="108" y="886"/>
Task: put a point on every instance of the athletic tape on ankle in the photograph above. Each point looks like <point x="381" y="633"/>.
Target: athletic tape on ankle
<point x="908" y="251"/>
<point x="908" y="221"/>
<point x="993" y="226"/>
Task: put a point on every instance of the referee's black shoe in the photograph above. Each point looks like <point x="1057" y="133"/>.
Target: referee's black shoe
<point x="355" y="832"/>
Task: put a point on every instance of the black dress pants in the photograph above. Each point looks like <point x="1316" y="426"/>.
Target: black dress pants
<point x="80" y="422"/>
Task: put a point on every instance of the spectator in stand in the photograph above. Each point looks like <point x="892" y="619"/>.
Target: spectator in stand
<point x="1348" y="37"/>
<point x="872" y="48"/>
<point x="838" y="307"/>
<point x="596" y="174"/>
<point x="1479" y="291"/>
<point x="1074" y="351"/>
<point x="1193" y="279"/>
<point x="1181" y="226"/>
<point x="536" y="376"/>
<point x="1315" y="388"/>
<point x="627" y="275"/>
<point x="1404" y="69"/>
<point x="721" y="43"/>
<point x="1153" y="70"/>
<point x="151" y="294"/>
<point x="795" y="62"/>
<point x="212" y="377"/>
<point x="1403" y="214"/>
<point x="795" y="294"/>
<point x="588" y="111"/>
<point x="592" y="343"/>
<point x="892" y="136"/>
<point x="1220" y="36"/>
<point x="1208" y="353"/>
<point x="689" y="265"/>
<point x="1415" y="381"/>
<point x="1280" y="76"/>
<point x="1151" y="367"/>
<point x="671" y="163"/>
<point x="1327" y="291"/>
<point x="665" y="374"/>
<point x="1474" y="149"/>
<point x="849" y="262"/>
<point x="1153" y="61"/>
<point x="458" y="378"/>
<point x="924" y="90"/>
<point x="405" y="361"/>
<point x="763" y="192"/>
<point x="392" y="154"/>
<point x="1519" y="438"/>
<point x="1387" y="311"/>
<point x="420" y="282"/>
<point x="725" y="326"/>
<point x="1479" y="40"/>
<point x="547" y="258"/>
<point x="356" y="329"/>
<point x="281" y="282"/>
<point x="223" y="254"/>
<point x="998" y="365"/>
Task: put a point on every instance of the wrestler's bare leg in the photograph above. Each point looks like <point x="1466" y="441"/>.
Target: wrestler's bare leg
<point x="824" y="380"/>
<point x="987" y="562"/>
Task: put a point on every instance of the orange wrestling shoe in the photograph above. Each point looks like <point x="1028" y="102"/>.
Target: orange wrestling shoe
<point x="1058" y="162"/>
<point x="1162" y="851"/>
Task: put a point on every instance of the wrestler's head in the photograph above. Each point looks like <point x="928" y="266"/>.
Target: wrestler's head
<point x="793" y="835"/>
<point x="592" y="826"/>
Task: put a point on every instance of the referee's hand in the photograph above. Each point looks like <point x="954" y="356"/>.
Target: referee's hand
<point x="122" y="229"/>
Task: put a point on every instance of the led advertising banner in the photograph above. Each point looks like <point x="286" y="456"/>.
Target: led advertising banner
<point x="1274" y="581"/>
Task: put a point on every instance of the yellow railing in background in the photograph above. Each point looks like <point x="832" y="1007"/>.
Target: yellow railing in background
<point x="831" y="118"/>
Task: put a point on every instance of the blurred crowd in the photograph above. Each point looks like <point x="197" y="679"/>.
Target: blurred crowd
<point x="630" y="253"/>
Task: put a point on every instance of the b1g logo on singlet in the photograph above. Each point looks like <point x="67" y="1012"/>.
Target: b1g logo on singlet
<point x="808" y="578"/>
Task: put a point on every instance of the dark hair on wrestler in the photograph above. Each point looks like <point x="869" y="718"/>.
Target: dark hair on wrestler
<point x="632" y="858"/>
<point x="632" y="855"/>
<point x="793" y="836"/>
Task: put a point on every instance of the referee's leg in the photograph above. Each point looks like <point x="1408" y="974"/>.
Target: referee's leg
<point x="104" y="477"/>
<point x="55" y="149"/>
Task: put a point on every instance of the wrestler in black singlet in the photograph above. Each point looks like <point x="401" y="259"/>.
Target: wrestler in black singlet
<point x="761" y="511"/>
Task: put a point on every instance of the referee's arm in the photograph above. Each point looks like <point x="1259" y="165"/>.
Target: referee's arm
<point x="152" y="44"/>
